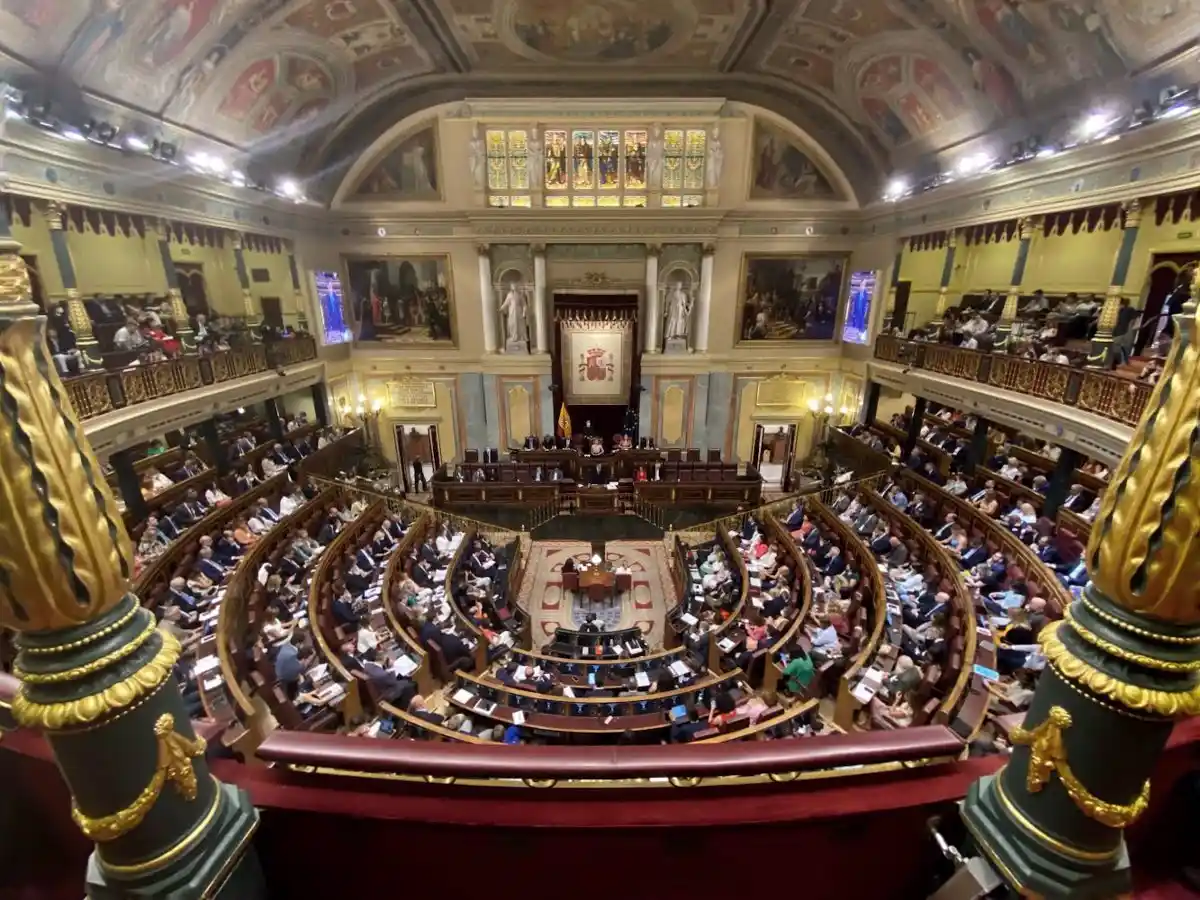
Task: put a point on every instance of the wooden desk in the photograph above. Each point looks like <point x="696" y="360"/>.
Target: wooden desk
<point x="598" y="583"/>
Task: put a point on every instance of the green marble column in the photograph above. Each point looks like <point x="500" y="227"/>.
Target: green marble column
<point x="1102" y="354"/>
<point x="1122" y="665"/>
<point x="243" y="274"/>
<point x="179" y="311"/>
<point x="96" y="672"/>
<point x="77" y="314"/>
<point x="947" y="270"/>
<point x="1008" y="316"/>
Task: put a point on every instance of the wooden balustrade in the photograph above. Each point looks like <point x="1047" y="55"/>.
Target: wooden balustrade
<point x="1114" y="397"/>
<point x="95" y="393"/>
<point x="1103" y="393"/>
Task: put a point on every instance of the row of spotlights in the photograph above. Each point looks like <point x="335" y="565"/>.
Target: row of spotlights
<point x="108" y="135"/>
<point x="1099" y="126"/>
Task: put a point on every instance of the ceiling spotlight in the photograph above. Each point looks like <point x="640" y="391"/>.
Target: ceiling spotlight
<point x="134" y="142"/>
<point x="238" y="178"/>
<point x="1095" y="125"/>
<point x="72" y="134"/>
<point x="896" y="188"/>
<point x="976" y="162"/>
<point x="381" y="231"/>
<point x="164" y="151"/>
<point x="1047" y="152"/>
<point x="289" y="189"/>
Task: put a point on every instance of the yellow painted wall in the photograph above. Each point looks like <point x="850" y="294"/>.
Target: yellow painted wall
<point x="116" y="264"/>
<point x="749" y="413"/>
<point x="443" y="415"/>
<point x="986" y="265"/>
<point x="220" y="275"/>
<point x="1080" y="262"/>
<point x="924" y="269"/>
<point x="1154" y="238"/>
<point x="35" y="241"/>
<point x="279" y="286"/>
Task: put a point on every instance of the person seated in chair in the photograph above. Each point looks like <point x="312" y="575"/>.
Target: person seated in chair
<point x="590" y="625"/>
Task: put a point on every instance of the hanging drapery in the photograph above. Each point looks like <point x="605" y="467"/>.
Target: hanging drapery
<point x="597" y="350"/>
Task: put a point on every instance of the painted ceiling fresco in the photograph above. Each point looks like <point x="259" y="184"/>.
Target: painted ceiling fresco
<point x="899" y="77"/>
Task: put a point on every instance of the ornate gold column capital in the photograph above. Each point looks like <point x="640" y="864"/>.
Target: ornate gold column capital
<point x="16" y="291"/>
<point x="236" y="240"/>
<point x="1027" y="225"/>
<point x="1144" y="553"/>
<point x="61" y="522"/>
<point x="1132" y="210"/>
<point x="56" y="215"/>
<point x="538" y="249"/>
<point x="654" y="249"/>
<point x="952" y="238"/>
<point x="483" y="249"/>
<point x="708" y="250"/>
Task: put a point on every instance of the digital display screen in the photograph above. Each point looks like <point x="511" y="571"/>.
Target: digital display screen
<point x="333" y="316"/>
<point x="858" y="307"/>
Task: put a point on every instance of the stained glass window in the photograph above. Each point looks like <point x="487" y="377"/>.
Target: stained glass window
<point x="607" y="168"/>
<point x="684" y="152"/>
<point x="508" y="168"/>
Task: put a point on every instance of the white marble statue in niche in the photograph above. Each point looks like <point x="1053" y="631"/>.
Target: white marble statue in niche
<point x="513" y="311"/>
<point x="677" y="303"/>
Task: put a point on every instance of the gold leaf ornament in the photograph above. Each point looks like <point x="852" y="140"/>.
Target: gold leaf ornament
<point x="65" y="556"/>
<point x="174" y="765"/>
<point x="1143" y="552"/>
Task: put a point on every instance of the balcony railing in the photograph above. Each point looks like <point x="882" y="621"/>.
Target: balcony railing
<point x="1103" y="393"/>
<point x="95" y="393"/>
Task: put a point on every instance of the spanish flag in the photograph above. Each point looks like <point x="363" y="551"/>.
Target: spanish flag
<point x="564" y="422"/>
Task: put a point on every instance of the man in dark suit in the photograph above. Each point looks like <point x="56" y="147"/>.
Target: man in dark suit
<point x="835" y="563"/>
<point x="531" y="442"/>
<point x="191" y="509"/>
<point x="419" y="481"/>
<point x="209" y="567"/>
<point x="422" y="573"/>
<point x="389" y="686"/>
<point x="947" y="527"/>
<point x="457" y="653"/>
<point x="796" y="517"/>
<point x="169" y="526"/>
<point x="366" y="562"/>
<point x="227" y="550"/>
<point x="599" y="475"/>
<point x="327" y="533"/>
<point x="881" y="545"/>
<point x="180" y="596"/>
<point x="1077" y="501"/>
<point x="974" y="555"/>
<point x="417" y="707"/>
<point x="342" y="607"/>
<point x="685" y="729"/>
<point x="1076" y="576"/>
<point x="812" y="540"/>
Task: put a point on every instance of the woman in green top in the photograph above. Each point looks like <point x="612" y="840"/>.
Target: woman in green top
<point x="799" y="672"/>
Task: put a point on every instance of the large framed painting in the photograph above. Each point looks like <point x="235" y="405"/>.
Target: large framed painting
<point x="401" y="299"/>
<point x="790" y="297"/>
<point x="409" y="172"/>
<point x="781" y="170"/>
<point x="596" y="358"/>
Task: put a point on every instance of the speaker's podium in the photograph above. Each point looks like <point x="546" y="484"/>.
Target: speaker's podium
<point x="598" y="550"/>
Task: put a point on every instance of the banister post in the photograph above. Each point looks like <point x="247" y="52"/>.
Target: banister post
<point x="97" y="675"/>
<point x="1121" y="666"/>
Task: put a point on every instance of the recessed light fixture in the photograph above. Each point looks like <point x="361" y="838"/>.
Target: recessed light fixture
<point x="381" y="231"/>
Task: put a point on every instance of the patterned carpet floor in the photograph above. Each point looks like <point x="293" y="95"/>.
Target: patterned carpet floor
<point x="646" y="605"/>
